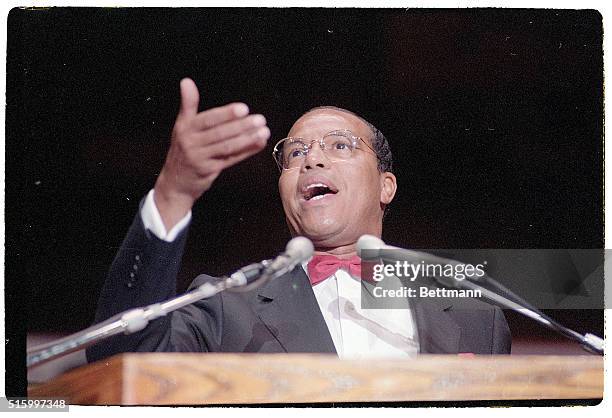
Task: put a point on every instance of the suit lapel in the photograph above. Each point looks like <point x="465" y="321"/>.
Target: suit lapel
<point x="289" y="309"/>
<point x="438" y="332"/>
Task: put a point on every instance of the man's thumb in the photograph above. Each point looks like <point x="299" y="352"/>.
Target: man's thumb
<point x="190" y="98"/>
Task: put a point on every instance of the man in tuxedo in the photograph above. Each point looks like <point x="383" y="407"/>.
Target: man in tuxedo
<point x="336" y="181"/>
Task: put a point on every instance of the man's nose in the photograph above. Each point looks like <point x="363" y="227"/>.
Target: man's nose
<point x="316" y="157"/>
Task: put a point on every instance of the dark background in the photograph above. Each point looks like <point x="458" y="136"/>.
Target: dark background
<point x="495" y="118"/>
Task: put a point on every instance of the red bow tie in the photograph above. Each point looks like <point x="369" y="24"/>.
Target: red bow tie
<point x="323" y="266"/>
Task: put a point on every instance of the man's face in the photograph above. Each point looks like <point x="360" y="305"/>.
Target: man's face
<point x="351" y="203"/>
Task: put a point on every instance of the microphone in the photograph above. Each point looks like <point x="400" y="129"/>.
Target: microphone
<point x="371" y="243"/>
<point x="370" y="247"/>
<point x="299" y="249"/>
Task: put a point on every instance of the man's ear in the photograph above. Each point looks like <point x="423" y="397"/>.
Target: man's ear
<point x="388" y="187"/>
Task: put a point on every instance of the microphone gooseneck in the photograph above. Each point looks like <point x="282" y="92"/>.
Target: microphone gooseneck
<point x="299" y="249"/>
<point x="370" y="247"/>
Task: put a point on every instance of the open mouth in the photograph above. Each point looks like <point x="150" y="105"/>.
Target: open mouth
<point x="317" y="191"/>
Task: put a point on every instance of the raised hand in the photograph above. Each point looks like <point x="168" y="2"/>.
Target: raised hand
<point x="204" y="144"/>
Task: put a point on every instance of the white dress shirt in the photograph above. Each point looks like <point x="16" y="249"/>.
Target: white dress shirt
<point x="153" y="222"/>
<point x="356" y="332"/>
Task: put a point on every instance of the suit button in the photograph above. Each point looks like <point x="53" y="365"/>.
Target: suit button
<point x="130" y="284"/>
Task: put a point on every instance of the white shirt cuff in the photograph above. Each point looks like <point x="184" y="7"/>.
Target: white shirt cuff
<point x="153" y="222"/>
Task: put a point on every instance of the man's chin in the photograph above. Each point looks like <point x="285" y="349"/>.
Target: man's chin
<point x="322" y="232"/>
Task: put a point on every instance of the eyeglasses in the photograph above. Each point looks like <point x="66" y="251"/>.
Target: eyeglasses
<point x="290" y="153"/>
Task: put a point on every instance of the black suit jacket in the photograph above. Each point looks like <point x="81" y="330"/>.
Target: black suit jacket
<point x="283" y="316"/>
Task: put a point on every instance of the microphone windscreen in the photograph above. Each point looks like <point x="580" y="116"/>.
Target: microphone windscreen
<point x="371" y="243"/>
<point x="300" y="248"/>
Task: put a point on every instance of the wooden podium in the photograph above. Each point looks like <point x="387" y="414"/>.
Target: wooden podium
<point x="202" y="379"/>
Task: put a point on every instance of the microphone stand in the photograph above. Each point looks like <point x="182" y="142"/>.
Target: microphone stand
<point x="134" y="320"/>
<point x="127" y="322"/>
<point x="588" y="341"/>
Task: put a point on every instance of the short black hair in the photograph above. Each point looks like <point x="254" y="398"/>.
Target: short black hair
<point x="379" y="141"/>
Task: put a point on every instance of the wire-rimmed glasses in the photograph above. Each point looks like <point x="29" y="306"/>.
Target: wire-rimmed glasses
<point x="290" y="152"/>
